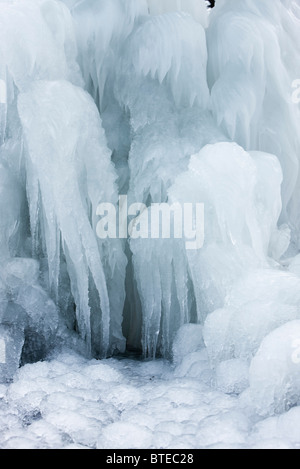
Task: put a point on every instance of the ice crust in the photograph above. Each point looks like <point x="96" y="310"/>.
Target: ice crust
<point x="74" y="403"/>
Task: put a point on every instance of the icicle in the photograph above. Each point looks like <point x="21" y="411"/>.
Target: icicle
<point x="66" y="158"/>
<point x="251" y="84"/>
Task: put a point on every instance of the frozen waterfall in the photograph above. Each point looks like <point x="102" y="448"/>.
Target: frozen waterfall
<point x="160" y="102"/>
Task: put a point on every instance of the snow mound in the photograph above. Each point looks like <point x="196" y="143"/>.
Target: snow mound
<point x="274" y="371"/>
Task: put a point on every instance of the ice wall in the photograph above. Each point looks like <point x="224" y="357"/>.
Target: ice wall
<point x="172" y="119"/>
<point x="198" y="10"/>
<point x="163" y="102"/>
<point x="69" y="172"/>
<point x="29" y="317"/>
<point x="51" y="174"/>
<point x="171" y="75"/>
<point x="251" y="84"/>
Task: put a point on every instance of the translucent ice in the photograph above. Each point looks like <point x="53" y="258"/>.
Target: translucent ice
<point x="232" y="376"/>
<point x="257" y="305"/>
<point x="10" y="213"/>
<point x="28" y="317"/>
<point x="188" y="339"/>
<point x="164" y="102"/>
<point x="29" y="29"/>
<point x="274" y="372"/>
<point x="64" y="186"/>
<point x="11" y="344"/>
<point x="193" y="7"/>
<point x="250" y="80"/>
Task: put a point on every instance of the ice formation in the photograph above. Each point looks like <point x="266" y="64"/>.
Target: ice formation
<point x="250" y="81"/>
<point x="164" y="102"/>
<point x="64" y="208"/>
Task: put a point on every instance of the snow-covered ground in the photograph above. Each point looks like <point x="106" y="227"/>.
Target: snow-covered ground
<point x="71" y="402"/>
